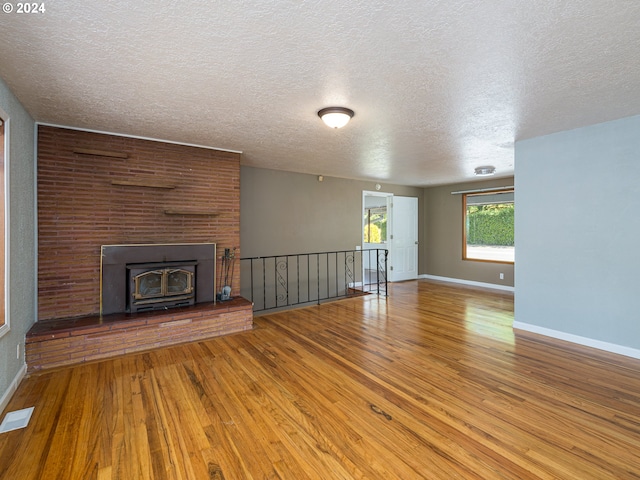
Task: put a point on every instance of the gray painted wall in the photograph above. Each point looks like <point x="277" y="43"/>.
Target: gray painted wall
<point x="442" y="251"/>
<point x="578" y="232"/>
<point x="22" y="241"/>
<point x="283" y="212"/>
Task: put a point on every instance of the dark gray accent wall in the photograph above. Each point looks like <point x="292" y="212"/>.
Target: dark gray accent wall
<point x="22" y="236"/>
<point x="577" y="232"/>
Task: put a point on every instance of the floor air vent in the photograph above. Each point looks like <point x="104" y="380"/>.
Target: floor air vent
<point x="16" y="420"/>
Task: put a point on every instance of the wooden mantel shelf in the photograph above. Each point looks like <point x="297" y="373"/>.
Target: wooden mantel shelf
<point x="100" y="153"/>
<point x="144" y="183"/>
<point x="200" y="213"/>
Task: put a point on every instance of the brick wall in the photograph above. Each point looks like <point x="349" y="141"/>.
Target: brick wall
<point x="81" y="207"/>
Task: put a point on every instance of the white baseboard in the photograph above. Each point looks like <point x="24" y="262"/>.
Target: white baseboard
<point x="13" y="386"/>
<point x="508" y="288"/>
<point x="569" y="337"/>
<point x="587" y="342"/>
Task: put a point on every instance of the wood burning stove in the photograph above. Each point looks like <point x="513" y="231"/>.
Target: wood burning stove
<point x="160" y="285"/>
<point x="145" y="276"/>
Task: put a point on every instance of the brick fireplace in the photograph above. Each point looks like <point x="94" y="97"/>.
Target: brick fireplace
<point x="97" y="189"/>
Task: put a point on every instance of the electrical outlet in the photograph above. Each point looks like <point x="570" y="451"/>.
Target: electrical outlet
<point x="18" y="351"/>
<point x="502" y="276"/>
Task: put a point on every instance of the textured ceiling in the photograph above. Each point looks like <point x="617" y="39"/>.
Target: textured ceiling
<point x="438" y="87"/>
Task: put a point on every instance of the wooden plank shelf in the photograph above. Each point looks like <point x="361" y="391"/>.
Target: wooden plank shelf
<point x="100" y="153"/>
<point x="144" y="183"/>
<point x="200" y="213"/>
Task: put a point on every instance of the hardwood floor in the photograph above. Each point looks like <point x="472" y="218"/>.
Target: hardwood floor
<point x="430" y="383"/>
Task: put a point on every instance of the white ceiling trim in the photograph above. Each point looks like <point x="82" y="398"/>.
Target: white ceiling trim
<point x="173" y="142"/>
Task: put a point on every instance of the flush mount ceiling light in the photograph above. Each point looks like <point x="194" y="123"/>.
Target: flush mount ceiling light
<point x="336" y="117"/>
<point x="485" y="171"/>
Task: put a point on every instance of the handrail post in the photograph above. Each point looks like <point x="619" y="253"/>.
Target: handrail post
<point x="318" y="275"/>
<point x="327" y="257"/>
<point x="251" y="267"/>
<point x="378" y="271"/>
<point x="287" y="290"/>
<point x="264" y="284"/>
<point x="386" y="274"/>
<point x="298" y="278"/>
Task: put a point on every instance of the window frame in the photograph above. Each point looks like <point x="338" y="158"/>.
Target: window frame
<point x="464" y="225"/>
<point x="5" y="324"/>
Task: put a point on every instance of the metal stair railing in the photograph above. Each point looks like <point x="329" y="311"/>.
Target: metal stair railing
<point x="281" y="281"/>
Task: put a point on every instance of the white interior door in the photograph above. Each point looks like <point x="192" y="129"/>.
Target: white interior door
<point x="403" y="251"/>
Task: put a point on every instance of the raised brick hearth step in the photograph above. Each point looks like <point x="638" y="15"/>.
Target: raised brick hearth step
<point x="60" y="342"/>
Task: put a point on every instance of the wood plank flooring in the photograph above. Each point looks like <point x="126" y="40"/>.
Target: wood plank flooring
<point x="429" y="383"/>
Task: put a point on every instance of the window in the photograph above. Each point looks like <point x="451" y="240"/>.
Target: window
<point x="488" y="226"/>
<point x="375" y="224"/>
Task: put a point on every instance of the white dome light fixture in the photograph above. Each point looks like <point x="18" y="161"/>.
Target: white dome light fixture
<point x="336" y="117"/>
<point x="485" y="171"/>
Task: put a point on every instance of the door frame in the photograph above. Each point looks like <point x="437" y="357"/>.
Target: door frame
<point x="387" y="244"/>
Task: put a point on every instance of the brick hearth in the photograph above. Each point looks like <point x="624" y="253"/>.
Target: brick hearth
<point x="62" y="342"/>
